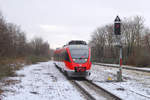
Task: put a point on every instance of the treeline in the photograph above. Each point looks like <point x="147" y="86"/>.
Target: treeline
<point x="14" y="44"/>
<point x="15" y="50"/>
<point x="135" y="41"/>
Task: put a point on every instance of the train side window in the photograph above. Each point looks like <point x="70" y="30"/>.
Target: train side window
<point x="63" y="55"/>
<point x="67" y="56"/>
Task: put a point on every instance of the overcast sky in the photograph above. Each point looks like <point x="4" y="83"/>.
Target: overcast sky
<point x="59" y="21"/>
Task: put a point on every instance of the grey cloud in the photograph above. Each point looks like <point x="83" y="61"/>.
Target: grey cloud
<point x="80" y="17"/>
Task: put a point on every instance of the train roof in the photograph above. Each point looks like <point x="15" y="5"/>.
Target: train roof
<point x="77" y="42"/>
<point x="72" y="47"/>
<point x="74" y="44"/>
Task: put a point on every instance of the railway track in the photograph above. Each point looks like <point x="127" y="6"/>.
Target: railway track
<point x="94" y="92"/>
<point x="129" y="68"/>
<point x="90" y="90"/>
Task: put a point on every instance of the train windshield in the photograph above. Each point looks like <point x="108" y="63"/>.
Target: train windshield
<point x="79" y="53"/>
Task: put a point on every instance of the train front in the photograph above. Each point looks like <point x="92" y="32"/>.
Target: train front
<point x="80" y="63"/>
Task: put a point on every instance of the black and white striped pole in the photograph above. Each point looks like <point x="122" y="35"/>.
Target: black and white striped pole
<point x="117" y="31"/>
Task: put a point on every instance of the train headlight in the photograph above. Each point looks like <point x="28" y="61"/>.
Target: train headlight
<point x="85" y="59"/>
<point x="74" y="59"/>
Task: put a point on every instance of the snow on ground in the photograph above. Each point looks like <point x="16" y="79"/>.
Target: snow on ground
<point x="136" y="85"/>
<point x="44" y="82"/>
<point x="39" y="82"/>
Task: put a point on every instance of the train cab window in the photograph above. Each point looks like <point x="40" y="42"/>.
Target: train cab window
<point x="79" y="53"/>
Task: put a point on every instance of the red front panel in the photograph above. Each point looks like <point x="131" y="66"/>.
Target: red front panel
<point x="71" y="65"/>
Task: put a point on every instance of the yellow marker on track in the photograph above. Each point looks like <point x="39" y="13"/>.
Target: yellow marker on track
<point x="109" y="78"/>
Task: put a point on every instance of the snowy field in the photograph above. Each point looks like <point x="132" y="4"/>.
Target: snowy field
<point x="136" y="85"/>
<point x="39" y="82"/>
<point x="43" y="81"/>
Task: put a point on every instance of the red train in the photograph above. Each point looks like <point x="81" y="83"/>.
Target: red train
<point x="74" y="59"/>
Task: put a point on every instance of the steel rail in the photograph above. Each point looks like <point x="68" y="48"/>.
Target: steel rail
<point x="106" y="91"/>
<point x="84" y="91"/>
<point x="136" y="69"/>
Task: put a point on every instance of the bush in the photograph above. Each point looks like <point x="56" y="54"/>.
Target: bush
<point x="35" y="59"/>
<point x="8" y="66"/>
<point x="6" y="70"/>
<point x="141" y="59"/>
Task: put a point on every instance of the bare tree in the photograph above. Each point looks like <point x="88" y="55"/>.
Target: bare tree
<point x="133" y="35"/>
<point x="13" y="42"/>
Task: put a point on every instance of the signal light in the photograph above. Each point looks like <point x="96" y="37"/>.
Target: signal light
<point x="117" y="29"/>
<point x="117" y="26"/>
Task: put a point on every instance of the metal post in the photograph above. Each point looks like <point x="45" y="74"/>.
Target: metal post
<point x="120" y="63"/>
<point x="117" y="31"/>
